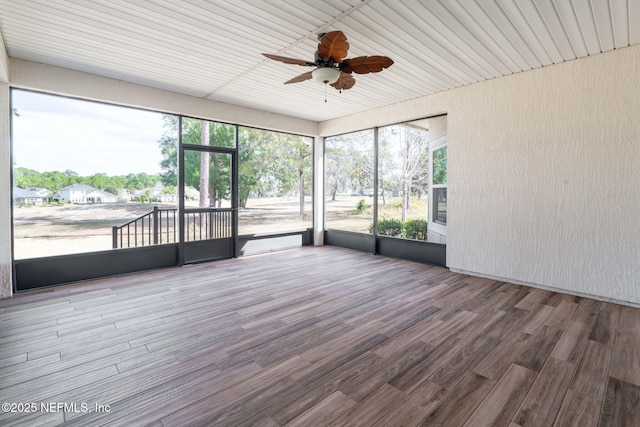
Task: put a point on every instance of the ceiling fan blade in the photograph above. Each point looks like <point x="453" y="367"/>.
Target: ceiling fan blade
<point x="345" y="81"/>
<point x="333" y="45"/>
<point x="366" y="64"/>
<point x="287" y="60"/>
<point x="302" y="77"/>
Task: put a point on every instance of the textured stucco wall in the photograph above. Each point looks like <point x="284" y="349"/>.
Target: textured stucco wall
<point x="6" y="285"/>
<point x="544" y="174"/>
<point x="4" y="62"/>
<point x="545" y="177"/>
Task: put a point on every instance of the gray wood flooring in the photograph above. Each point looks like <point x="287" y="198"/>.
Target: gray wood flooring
<point x="312" y="337"/>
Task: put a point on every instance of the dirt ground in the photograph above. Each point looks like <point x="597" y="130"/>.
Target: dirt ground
<point x="57" y="230"/>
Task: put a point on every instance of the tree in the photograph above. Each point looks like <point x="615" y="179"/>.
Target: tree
<point x="169" y="150"/>
<point x="273" y="163"/>
<point x="56" y="180"/>
<point x="251" y="166"/>
<point x="287" y="160"/>
<point x="440" y="166"/>
<point x="26" y="178"/>
<point x="112" y="190"/>
<point x="304" y="152"/>
<point x="349" y="163"/>
<point x="385" y="165"/>
<point x="138" y="181"/>
<point x="269" y="163"/>
<point x="403" y="162"/>
<point x="336" y="169"/>
<point x="209" y="173"/>
<point x="204" y="164"/>
<point x="100" y="181"/>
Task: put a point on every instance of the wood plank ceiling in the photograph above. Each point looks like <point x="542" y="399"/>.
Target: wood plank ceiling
<point x="213" y="49"/>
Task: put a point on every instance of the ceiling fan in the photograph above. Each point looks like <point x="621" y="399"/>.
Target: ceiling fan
<point x="332" y="65"/>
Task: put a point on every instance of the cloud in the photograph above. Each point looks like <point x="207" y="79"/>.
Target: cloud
<point x="57" y="133"/>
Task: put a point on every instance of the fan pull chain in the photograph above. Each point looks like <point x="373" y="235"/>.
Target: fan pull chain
<point x="325" y="92"/>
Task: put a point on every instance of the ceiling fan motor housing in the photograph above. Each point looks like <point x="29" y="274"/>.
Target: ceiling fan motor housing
<point x="326" y="75"/>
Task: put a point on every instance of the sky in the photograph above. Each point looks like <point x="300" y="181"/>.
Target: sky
<point x="54" y="133"/>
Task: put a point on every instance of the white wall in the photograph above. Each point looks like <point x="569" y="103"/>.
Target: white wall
<point x="5" y="177"/>
<point x="544" y="174"/>
<point x="6" y="285"/>
<point x="4" y="62"/>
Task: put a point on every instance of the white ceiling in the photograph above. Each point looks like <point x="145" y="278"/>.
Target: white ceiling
<point x="212" y="49"/>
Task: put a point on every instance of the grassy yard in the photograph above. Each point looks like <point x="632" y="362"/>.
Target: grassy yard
<point x="64" y="229"/>
<point x="342" y="212"/>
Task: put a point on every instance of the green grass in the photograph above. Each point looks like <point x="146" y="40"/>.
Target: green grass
<point x="393" y="208"/>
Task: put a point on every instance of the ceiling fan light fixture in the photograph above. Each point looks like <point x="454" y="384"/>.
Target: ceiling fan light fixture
<point x="326" y="75"/>
<point x="331" y="65"/>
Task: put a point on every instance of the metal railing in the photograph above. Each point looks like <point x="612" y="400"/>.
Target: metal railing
<point x="160" y="226"/>
<point x="154" y="228"/>
<point x="207" y="223"/>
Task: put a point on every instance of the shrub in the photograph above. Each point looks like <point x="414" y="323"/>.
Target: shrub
<point x="415" y="229"/>
<point x="361" y="207"/>
<point x="389" y="227"/>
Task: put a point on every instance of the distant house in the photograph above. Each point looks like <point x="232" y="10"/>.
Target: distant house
<point x="27" y="197"/>
<point x="80" y="193"/>
<point x="42" y="192"/>
<point x="124" y="195"/>
<point x="157" y="192"/>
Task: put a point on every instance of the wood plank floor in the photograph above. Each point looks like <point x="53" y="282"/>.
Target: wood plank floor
<point x="311" y="337"/>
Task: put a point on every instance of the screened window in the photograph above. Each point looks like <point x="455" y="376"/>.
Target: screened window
<point x="81" y="168"/>
<point x="203" y="132"/>
<point x="403" y="180"/>
<point x="440" y="186"/>
<point x="275" y="181"/>
<point x="349" y="183"/>
<point x="207" y="176"/>
<point x="411" y="188"/>
<point x="439" y="177"/>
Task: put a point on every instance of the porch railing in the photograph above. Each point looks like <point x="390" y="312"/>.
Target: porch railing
<point x="207" y="223"/>
<point x="161" y="226"/>
<point x="154" y="228"/>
